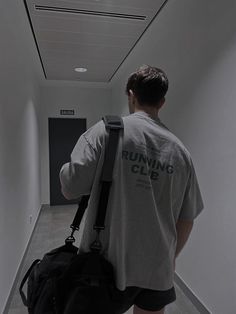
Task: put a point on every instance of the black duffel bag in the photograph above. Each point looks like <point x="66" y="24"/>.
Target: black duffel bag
<point x="67" y="281"/>
<point x="42" y="279"/>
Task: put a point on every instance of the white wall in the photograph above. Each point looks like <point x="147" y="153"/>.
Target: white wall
<point x="19" y="143"/>
<point x="90" y="101"/>
<point x="195" y="43"/>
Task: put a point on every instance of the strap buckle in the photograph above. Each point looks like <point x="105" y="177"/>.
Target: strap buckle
<point x="113" y="122"/>
<point x="96" y="246"/>
<point x="70" y="240"/>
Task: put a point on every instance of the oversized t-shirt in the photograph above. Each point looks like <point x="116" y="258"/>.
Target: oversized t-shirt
<point x="154" y="185"/>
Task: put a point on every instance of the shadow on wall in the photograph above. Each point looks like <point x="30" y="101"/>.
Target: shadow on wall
<point x="211" y="34"/>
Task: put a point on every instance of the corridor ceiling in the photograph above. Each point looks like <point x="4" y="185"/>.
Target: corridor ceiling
<point x="94" y="34"/>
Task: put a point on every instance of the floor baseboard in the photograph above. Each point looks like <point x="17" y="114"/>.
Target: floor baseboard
<point x="190" y="295"/>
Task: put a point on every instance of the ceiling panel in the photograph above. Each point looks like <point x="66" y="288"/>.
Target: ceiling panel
<point x="94" y="34"/>
<point x="97" y="27"/>
<point x="84" y="38"/>
<point x="81" y="50"/>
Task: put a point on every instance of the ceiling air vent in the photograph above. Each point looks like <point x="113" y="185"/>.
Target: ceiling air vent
<point x="91" y="13"/>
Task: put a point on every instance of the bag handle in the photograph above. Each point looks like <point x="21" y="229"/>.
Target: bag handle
<point x="23" y="297"/>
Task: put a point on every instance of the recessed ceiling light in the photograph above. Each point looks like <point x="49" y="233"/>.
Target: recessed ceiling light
<point x="81" y="70"/>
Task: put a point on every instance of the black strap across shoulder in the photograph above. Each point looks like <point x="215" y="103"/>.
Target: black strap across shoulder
<point x="113" y="125"/>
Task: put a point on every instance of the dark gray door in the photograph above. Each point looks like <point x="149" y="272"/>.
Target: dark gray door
<point x="63" y="135"/>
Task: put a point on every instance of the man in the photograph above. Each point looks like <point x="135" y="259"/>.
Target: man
<point x="154" y="196"/>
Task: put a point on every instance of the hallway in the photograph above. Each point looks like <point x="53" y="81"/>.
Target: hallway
<point x="51" y="230"/>
<point x="75" y="64"/>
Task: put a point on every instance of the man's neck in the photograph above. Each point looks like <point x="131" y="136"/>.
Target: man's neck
<point x="152" y="112"/>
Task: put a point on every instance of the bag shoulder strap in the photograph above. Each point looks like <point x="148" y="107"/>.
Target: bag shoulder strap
<point x="113" y="125"/>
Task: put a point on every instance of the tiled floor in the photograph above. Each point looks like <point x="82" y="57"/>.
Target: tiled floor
<point x="51" y="230"/>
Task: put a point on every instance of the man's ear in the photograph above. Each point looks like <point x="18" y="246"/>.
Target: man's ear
<point x="132" y="96"/>
<point x="131" y="93"/>
<point x="161" y="103"/>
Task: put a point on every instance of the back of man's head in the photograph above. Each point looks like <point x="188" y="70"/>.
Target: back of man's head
<point x="149" y="85"/>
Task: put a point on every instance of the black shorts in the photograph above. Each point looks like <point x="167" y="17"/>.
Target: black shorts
<point x="146" y="299"/>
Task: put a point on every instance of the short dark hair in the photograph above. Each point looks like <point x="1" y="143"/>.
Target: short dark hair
<point x="149" y="85"/>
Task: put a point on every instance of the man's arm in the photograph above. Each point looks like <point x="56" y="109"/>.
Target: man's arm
<point x="184" y="228"/>
<point x="77" y="176"/>
<point x="191" y="208"/>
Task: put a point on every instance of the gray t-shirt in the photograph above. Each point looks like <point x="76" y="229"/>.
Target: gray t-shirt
<point x="154" y="185"/>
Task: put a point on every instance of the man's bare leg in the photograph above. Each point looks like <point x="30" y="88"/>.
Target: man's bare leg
<point x="137" y="310"/>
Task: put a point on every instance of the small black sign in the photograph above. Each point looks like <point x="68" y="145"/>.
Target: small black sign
<point x="66" y="112"/>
